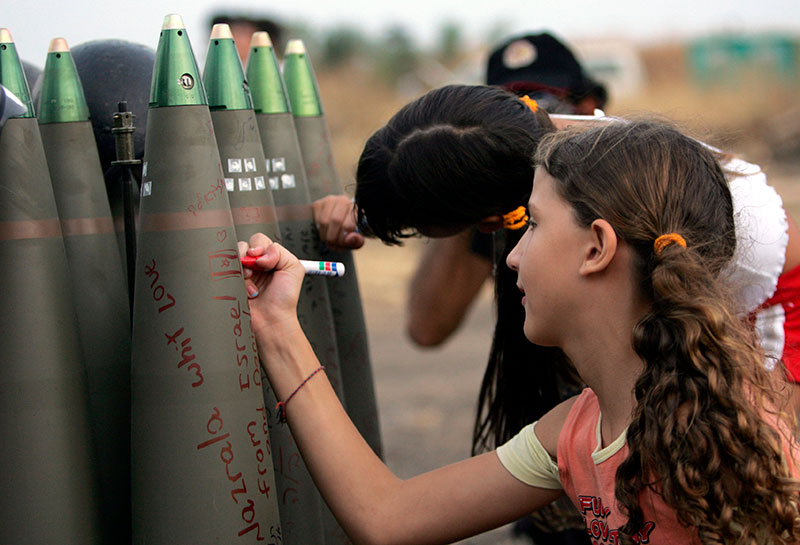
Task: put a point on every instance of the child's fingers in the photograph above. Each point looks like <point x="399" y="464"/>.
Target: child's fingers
<point x="334" y="216"/>
<point x="250" y="286"/>
<point x="256" y="247"/>
<point x="333" y="230"/>
<point x="353" y="240"/>
<point x="272" y="258"/>
<point x="344" y="222"/>
<point x="258" y="243"/>
<point x="242" y="246"/>
<point x="349" y="223"/>
<point x="322" y="211"/>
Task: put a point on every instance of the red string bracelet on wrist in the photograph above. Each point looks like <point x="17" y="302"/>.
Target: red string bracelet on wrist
<point x="281" y="405"/>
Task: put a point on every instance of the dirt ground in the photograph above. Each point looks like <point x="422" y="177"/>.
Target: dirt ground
<point x="426" y="397"/>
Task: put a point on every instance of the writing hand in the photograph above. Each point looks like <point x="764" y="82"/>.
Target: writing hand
<point x="274" y="286"/>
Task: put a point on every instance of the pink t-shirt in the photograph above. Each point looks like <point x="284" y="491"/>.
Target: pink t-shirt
<point x="587" y="473"/>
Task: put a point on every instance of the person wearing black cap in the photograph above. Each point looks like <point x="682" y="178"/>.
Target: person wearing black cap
<point x="540" y="66"/>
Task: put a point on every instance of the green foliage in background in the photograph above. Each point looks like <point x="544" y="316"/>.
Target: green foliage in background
<point x="450" y="43"/>
<point x="343" y="44"/>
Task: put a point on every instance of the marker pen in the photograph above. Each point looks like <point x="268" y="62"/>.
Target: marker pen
<point x="315" y="268"/>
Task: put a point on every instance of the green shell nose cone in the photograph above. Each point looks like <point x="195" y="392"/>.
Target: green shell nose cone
<point x="11" y="75"/>
<point x="301" y="84"/>
<point x="264" y="77"/>
<point x="176" y="78"/>
<point x="223" y="77"/>
<point x="62" y="99"/>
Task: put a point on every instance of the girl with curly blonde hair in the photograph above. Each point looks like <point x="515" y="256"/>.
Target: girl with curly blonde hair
<point x="681" y="436"/>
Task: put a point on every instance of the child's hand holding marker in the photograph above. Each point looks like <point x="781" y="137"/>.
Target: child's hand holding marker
<point x="313" y="268"/>
<point x="274" y="275"/>
<point x="273" y="280"/>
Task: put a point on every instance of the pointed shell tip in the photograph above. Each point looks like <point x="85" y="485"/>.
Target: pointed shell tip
<point x="260" y="39"/>
<point x="173" y="21"/>
<point x="221" y="31"/>
<point x="58" y="45"/>
<point x="295" y="47"/>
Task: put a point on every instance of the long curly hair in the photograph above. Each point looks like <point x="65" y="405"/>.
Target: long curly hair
<point x="709" y="432"/>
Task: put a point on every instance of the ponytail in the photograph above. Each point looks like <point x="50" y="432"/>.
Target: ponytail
<point x="696" y="435"/>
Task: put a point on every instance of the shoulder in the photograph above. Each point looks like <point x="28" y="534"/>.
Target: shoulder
<point x="550" y="425"/>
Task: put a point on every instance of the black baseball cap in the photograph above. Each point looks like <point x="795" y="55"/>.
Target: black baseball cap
<point x="541" y="63"/>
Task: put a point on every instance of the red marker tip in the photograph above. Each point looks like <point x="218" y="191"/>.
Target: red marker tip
<point x="249" y="261"/>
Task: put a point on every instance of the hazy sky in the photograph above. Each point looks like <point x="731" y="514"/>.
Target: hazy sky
<point x="34" y="22"/>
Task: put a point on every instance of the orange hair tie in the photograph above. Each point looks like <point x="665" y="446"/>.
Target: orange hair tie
<point x="530" y="103"/>
<point x="665" y="240"/>
<point x="516" y="219"/>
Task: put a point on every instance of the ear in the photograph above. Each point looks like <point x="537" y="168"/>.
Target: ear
<point x="490" y="224"/>
<point x="601" y="249"/>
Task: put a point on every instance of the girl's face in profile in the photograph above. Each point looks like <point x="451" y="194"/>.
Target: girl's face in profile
<point x="547" y="260"/>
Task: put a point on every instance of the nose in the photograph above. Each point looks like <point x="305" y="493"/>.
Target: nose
<point x="512" y="260"/>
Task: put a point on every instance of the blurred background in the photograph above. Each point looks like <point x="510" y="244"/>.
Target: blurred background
<point x="726" y="71"/>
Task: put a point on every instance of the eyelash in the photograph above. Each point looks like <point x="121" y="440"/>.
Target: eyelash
<point x="531" y="223"/>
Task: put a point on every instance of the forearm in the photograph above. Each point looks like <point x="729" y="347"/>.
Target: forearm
<point x="444" y="286"/>
<point x="351" y="478"/>
<point x="369" y="501"/>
